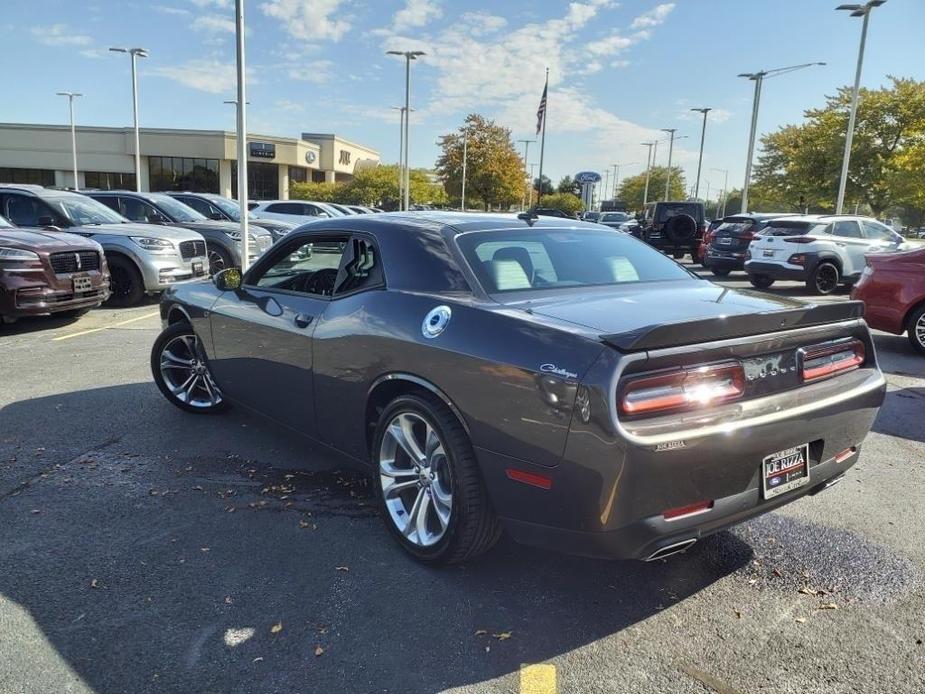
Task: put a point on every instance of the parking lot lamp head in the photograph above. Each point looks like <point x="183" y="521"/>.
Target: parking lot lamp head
<point x="135" y="53"/>
<point x="408" y="56"/>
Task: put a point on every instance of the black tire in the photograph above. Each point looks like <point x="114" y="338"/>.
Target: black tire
<point x="915" y="329"/>
<point x="724" y="271"/>
<point x="824" y="279"/>
<point x="164" y="340"/>
<point x="219" y="259"/>
<point x="128" y="287"/>
<point x="473" y="527"/>
<point x="681" y="229"/>
<point x="677" y="255"/>
<point x="761" y="281"/>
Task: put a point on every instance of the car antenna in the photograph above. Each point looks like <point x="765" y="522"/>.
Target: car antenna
<point x="530" y="217"/>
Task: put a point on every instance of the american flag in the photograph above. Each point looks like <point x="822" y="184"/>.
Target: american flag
<point x="541" y="111"/>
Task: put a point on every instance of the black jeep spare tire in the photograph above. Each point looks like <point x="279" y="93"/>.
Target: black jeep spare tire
<point x="681" y="228"/>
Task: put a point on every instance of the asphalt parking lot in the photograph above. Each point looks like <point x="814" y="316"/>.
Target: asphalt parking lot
<point x="147" y="550"/>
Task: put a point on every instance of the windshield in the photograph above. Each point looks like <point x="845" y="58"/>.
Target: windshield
<point x="614" y="217"/>
<point x="516" y="260"/>
<point x="229" y="207"/>
<point x="176" y="210"/>
<point x="81" y="211"/>
<point x="5" y="224"/>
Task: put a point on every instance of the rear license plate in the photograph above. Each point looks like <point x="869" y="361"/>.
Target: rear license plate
<point x="82" y="284"/>
<point x="785" y="470"/>
<point x="768" y="254"/>
<point x="725" y="241"/>
<point x="197" y="268"/>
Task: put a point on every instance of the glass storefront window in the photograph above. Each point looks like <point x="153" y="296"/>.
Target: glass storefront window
<point x="183" y="173"/>
<point x="103" y="180"/>
<point x="262" y="181"/>
<point x="298" y="174"/>
<point x="39" y="177"/>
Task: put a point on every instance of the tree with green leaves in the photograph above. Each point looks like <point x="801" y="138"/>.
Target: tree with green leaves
<point x="632" y="188"/>
<point x="567" y="202"/>
<point x="568" y="185"/>
<point x="376" y="186"/>
<point x="547" y="187"/>
<point x="805" y="160"/>
<point x="494" y="170"/>
<point x="313" y="190"/>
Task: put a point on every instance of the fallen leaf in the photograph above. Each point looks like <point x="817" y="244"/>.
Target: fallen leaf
<point x="228" y="600"/>
<point x="806" y="590"/>
<point x="753" y="581"/>
<point x="276" y="628"/>
<point x="318" y="651"/>
<point x="198" y="487"/>
<point x="800" y="620"/>
<point x="777" y="573"/>
<point x="204" y="549"/>
<point x="738" y="614"/>
<point x="828" y="606"/>
<point x="342" y="568"/>
<point x="36" y="510"/>
<point x="481" y="632"/>
<point x="487" y="649"/>
<point x="94" y="583"/>
<point x="304" y="524"/>
<point x="503" y="636"/>
<point x="257" y="659"/>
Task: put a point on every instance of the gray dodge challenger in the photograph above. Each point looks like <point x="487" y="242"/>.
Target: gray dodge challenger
<point x="561" y="382"/>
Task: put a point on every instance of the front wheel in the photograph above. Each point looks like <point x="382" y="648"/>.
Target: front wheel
<point x="720" y="271"/>
<point x="916" y="329"/>
<point x="181" y="371"/>
<point x="824" y="279"/>
<point x="128" y="286"/>
<point x="428" y="486"/>
<point x="761" y="281"/>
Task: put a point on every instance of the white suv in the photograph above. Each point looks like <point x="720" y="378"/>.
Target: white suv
<point x="824" y="251"/>
<point x="295" y="211"/>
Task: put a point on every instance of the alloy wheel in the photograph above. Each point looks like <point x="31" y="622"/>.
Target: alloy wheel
<point x="415" y="479"/>
<point x="919" y="330"/>
<point x="826" y="278"/>
<point x="186" y="373"/>
<point x="216" y="262"/>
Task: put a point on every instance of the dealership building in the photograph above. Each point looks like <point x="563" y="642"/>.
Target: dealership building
<point x="171" y="159"/>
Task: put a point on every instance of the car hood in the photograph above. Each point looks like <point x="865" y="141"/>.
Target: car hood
<point x="159" y="231"/>
<point x="652" y="315"/>
<point x="276" y="224"/>
<point x="47" y="241"/>
<point x="216" y="225"/>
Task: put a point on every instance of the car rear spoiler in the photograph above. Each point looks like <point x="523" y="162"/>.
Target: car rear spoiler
<point x="728" y="327"/>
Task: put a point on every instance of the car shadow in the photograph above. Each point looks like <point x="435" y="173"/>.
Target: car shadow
<point x="901" y="414"/>
<point x="32" y="324"/>
<point x="152" y="550"/>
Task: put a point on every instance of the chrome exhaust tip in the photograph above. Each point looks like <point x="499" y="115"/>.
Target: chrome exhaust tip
<point x="674" y="548"/>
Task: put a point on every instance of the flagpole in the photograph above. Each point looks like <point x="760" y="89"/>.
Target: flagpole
<point x="539" y="195"/>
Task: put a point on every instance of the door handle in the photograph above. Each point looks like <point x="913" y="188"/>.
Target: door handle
<point x="303" y="320"/>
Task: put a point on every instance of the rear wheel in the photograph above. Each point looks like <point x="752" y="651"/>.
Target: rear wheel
<point x="824" y="279"/>
<point x="428" y="486"/>
<point x="916" y="329"/>
<point x="721" y="271"/>
<point x="761" y="281"/>
<point x="181" y="371"/>
<point x="128" y="287"/>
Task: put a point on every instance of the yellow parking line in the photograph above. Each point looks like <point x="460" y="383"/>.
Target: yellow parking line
<point x="106" y="327"/>
<point x="538" y="679"/>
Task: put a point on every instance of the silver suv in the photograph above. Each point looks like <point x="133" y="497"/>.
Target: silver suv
<point x="142" y="258"/>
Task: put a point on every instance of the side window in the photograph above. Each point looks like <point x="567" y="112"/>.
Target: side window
<point x="111" y="201"/>
<point x="285" y="208"/>
<point x="877" y="231"/>
<point x="361" y="268"/>
<point x="847" y="229"/>
<point x="314" y="210"/>
<point x="200" y="206"/>
<point x="139" y="211"/>
<point x="309" y="266"/>
<point x="22" y="210"/>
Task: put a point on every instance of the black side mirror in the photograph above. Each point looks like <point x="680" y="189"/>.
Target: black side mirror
<point x="228" y="279"/>
<point x="216" y="216"/>
<point x="47" y="220"/>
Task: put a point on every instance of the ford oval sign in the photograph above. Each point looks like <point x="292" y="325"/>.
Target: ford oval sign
<point x="583" y="177"/>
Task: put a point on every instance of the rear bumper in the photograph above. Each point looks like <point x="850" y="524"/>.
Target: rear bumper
<point x="775" y="271"/>
<point x="644" y="537"/>
<point x="724" y="260"/>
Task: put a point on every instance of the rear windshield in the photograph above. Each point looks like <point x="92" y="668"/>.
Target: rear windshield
<point x="614" y="217"/>
<point x="782" y="227"/>
<point x="508" y="261"/>
<point x="668" y="210"/>
<point x="735" y="225"/>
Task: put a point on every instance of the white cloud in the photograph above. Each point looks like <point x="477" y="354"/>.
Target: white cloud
<point x="215" y="24"/>
<point x="309" y="19"/>
<point x="223" y="4"/>
<point x="59" y="35"/>
<point x="167" y="9"/>
<point x="314" y="71"/>
<point x="289" y="106"/>
<point x="481" y="23"/>
<point x="653" y="17"/>
<point x="417" y="13"/>
<point x="716" y="115"/>
<point x="210" y="76"/>
<point x="610" y="45"/>
<point x="94" y="53"/>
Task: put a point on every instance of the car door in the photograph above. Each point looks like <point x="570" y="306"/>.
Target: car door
<point x="262" y="332"/>
<point x="851" y="244"/>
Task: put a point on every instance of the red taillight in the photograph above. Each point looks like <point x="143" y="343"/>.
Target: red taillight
<point x="704" y="385"/>
<point x="689" y="510"/>
<point x="822" y="361"/>
<point x="797" y="259"/>
<point x="798" y="239"/>
<point x="748" y="236"/>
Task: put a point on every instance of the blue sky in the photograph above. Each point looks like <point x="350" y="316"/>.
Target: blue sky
<point x="620" y="71"/>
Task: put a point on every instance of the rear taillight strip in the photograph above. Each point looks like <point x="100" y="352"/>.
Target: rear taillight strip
<point x="826" y="360"/>
<point x="682" y="389"/>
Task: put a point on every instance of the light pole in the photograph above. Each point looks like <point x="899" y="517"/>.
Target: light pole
<point x="671" y="132"/>
<point x="527" y="144"/>
<point x="70" y="101"/>
<point x="703" y="135"/>
<point x="401" y="152"/>
<point x="645" y="194"/>
<point x="241" y="128"/>
<point x="530" y="189"/>
<point x="758" y="78"/>
<point x="606" y="187"/>
<point x="856" y="11"/>
<point x="409" y="56"/>
<point x="725" y="173"/>
<point x="135" y="53"/>
<point x="462" y="201"/>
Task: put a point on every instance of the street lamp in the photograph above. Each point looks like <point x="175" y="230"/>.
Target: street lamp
<point x="527" y="144"/>
<point x="725" y="173"/>
<point x="70" y="99"/>
<point x="462" y="200"/>
<point x="703" y="135"/>
<point x="671" y="132"/>
<point x="856" y="11"/>
<point x="530" y="189"/>
<point x="409" y="56"/>
<point x="135" y="53"/>
<point x="758" y="78"/>
<point x="401" y="148"/>
<point x="645" y="193"/>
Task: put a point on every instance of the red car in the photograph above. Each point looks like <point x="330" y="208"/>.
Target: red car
<point x="892" y="288"/>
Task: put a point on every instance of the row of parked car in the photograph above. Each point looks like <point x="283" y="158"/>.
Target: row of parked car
<point x="63" y="252"/>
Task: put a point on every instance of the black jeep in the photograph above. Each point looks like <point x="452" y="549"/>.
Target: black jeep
<point x="673" y="227"/>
